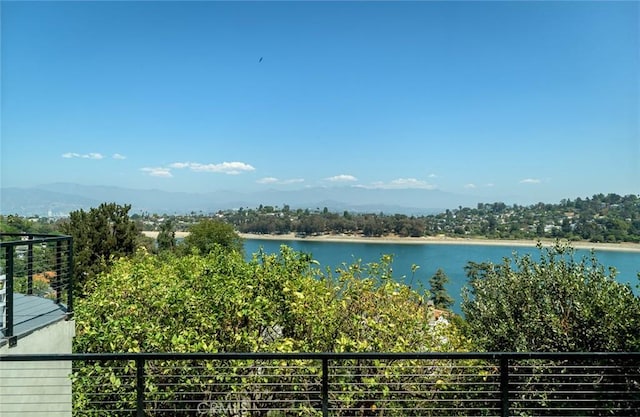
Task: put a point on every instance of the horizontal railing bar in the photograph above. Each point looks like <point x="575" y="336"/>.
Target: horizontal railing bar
<point x="559" y="384"/>
<point x="426" y="386"/>
<point x="222" y="356"/>
<point x="238" y="392"/>
<point x="413" y="408"/>
<point x="565" y="375"/>
<point x="165" y="410"/>
<point x="483" y="400"/>
<point x="430" y="388"/>
<point x="232" y="401"/>
<point x="234" y="379"/>
<point x="393" y="369"/>
<point x="571" y="400"/>
<point x="423" y="362"/>
<point x="436" y="400"/>
<point x="33" y="238"/>
<point x="271" y="400"/>
<point x="414" y="392"/>
<point x="568" y="389"/>
<point x="160" y="387"/>
<point x="236" y="376"/>
<point x="246" y="371"/>
<point x="518" y="367"/>
<point x="570" y="409"/>
<point x="250" y="367"/>
<point x="581" y="392"/>
<point x="109" y="402"/>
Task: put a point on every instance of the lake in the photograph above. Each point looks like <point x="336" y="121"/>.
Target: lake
<point x="451" y="258"/>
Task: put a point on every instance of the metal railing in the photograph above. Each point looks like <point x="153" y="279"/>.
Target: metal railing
<point x="328" y="384"/>
<point x="34" y="265"/>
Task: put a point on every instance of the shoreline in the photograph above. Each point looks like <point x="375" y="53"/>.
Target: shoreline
<point x="427" y="240"/>
<point x="437" y="240"/>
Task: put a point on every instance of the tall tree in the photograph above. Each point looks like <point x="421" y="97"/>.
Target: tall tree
<point x="556" y="304"/>
<point x="167" y="237"/>
<point x="207" y="234"/>
<point x="100" y="236"/>
<point x="439" y="295"/>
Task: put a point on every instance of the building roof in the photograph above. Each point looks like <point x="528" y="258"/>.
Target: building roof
<point x="31" y="313"/>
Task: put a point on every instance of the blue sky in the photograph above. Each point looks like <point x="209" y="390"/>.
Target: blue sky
<point x="521" y="101"/>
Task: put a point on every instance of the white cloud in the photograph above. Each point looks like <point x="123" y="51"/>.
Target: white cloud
<point x="411" y="183"/>
<point x="432" y="176"/>
<point x="292" y="181"/>
<point x="158" y="172"/>
<point x="342" y="178"/>
<point x="230" y="168"/>
<point x="267" y="180"/>
<point x="400" y="183"/>
<point x="530" y="181"/>
<point x="179" y="165"/>
<point x="472" y="185"/>
<point x="272" y="180"/>
<point x="118" y="156"/>
<point x="91" y="155"/>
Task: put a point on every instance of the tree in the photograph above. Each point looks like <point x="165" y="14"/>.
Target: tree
<point x="207" y="234"/>
<point x="17" y="224"/>
<point x="555" y="304"/>
<point x="167" y="237"/>
<point x="100" y="236"/>
<point x="439" y="295"/>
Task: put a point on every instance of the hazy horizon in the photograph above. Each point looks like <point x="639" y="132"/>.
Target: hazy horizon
<point x="62" y="198"/>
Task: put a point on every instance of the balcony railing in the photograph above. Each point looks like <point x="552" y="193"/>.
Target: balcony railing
<point x="36" y="285"/>
<point x="329" y="384"/>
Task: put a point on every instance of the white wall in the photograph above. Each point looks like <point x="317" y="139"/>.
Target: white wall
<point x="38" y="388"/>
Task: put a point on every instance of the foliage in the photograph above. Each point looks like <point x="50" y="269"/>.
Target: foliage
<point x="277" y="303"/>
<point x="556" y="304"/>
<point x="100" y="236"/>
<point x="167" y="236"/>
<point x="601" y="218"/>
<point x="17" y="224"/>
<point x="220" y="302"/>
<point x="439" y="295"/>
<point x="207" y="234"/>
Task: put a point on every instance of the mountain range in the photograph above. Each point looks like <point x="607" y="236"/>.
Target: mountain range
<point x="59" y="199"/>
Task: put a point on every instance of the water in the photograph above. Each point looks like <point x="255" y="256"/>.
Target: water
<point x="451" y="258"/>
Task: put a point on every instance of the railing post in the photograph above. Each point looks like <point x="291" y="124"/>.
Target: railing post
<point x="70" y="278"/>
<point x="325" y="387"/>
<point x="58" y="271"/>
<point x="504" y="385"/>
<point x="9" y="295"/>
<point x="30" y="268"/>
<point x="140" y="387"/>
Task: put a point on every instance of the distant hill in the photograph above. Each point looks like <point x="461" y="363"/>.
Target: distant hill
<point x="36" y="201"/>
<point x="62" y="198"/>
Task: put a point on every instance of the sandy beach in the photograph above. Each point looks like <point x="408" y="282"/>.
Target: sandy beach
<point x="154" y="234"/>
<point x="435" y="240"/>
<point x="442" y="240"/>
